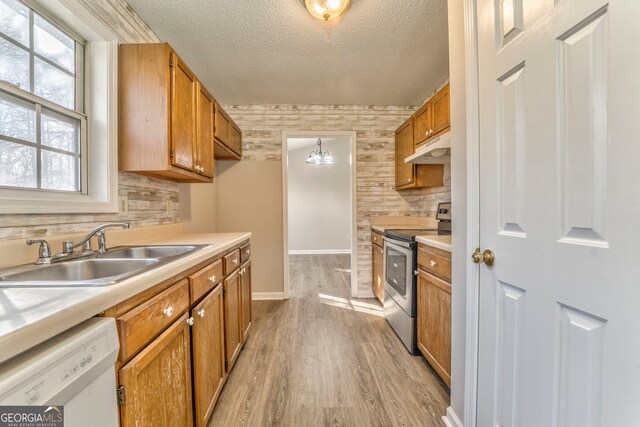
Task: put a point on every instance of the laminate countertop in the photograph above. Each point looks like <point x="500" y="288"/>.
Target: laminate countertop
<point x="29" y="316"/>
<point x="440" y="242"/>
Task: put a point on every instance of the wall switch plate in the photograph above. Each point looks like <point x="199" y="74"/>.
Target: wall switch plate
<point x="123" y="204"/>
<point x="167" y="207"/>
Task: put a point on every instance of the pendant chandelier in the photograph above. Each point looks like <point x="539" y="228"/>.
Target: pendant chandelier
<point x="326" y="9"/>
<point x="318" y="157"/>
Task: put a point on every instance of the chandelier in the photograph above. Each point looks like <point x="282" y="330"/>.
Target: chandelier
<point x="319" y="157"/>
<point x="326" y="9"/>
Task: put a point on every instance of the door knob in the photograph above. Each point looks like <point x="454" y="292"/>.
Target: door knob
<point x="488" y="257"/>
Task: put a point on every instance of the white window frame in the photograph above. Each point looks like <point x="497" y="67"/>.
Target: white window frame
<point x="100" y="106"/>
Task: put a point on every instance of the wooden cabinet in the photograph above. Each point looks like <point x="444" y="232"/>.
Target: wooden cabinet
<point x="433" y="118"/>
<point x="165" y="116"/>
<point x="204" y="134"/>
<point x="228" y="136"/>
<point x="159" y="381"/>
<point x="409" y="175"/>
<point x="233" y="336"/>
<point x="245" y="286"/>
<point x="209" y="372"/>
<point x="434" y="315"/>
<point x="377" y="258"/>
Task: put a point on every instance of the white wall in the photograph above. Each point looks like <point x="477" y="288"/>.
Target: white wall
<point x="320" y="200"/>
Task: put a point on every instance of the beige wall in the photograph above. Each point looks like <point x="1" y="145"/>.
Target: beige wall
<point x="246" y="196"/>
<point x="262" y="127"/>
<point x="147" y="197"/>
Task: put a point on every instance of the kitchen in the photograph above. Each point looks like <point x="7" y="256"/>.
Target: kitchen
<point x="214" y="325"/>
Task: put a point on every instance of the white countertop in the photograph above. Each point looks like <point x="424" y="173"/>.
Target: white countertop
<point x="440" y="242"/>
<point x="29" y="316"/>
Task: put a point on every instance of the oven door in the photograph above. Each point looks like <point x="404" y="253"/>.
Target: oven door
<point x="398" y="273"/>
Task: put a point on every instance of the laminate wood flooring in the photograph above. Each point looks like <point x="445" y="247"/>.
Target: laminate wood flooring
<point x="322" y="358"/>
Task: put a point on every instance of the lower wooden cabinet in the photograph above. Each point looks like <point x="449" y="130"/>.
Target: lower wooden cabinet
<point x="434" y="323"/>
<point x="207" y="336"/>
<point x="233" y="335"/>
<point x="158" y="381"/>
<point x="245" y="285"/>
<point x="378" y="267"/>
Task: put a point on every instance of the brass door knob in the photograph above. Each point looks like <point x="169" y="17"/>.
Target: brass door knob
<point x="488" y="257"/>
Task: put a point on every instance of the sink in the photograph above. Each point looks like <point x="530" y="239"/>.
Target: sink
<point x="136" y="252"/>
<point x="84" y="272"/>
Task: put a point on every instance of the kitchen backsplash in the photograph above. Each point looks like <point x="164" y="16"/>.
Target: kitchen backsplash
<point x="262" y="127"/>
<point x="147" y="198"/>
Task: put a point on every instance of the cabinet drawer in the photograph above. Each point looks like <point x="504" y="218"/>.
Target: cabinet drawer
<point x="245" y="253"/>
<point x="435" y="261"/>
<point x="204" y="280"/>
<point x="231" y="261"/>
<point x="376" y="238"/>
<point x="142" y="324"/>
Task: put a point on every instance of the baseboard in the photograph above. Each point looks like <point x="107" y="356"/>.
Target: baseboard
<point x="267" y="296"/>
<point x="320" y="252"/>
<point x="451" y="419"/>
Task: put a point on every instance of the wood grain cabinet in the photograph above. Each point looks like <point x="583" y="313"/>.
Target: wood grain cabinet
<point x="233" y="335"/>
<point x="228" y="136"/>
<point x="409" y="175"/>
<point x="434" y="312"/>
<point x="209" y="372"/>
<point x="180" y="339"/>
<point x="433" y="118"/>
<point x="377" y="258"/>
<point x="165" y="116"/>
<point x="159" y="381"/>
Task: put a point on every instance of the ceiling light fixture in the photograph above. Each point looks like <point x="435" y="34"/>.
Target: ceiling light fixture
<point x="318" y="157"/>
<point x="326" y="9"/>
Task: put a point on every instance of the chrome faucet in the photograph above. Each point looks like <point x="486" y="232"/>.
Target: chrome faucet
<point x="68" y="246"/>
<point x="44" y="251"/>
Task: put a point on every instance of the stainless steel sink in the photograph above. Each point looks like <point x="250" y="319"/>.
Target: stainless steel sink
<point x="136" y="252"/>
<point x="106" y="269"/>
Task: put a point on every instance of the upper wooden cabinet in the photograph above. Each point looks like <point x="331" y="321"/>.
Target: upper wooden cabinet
<point x="409" y="175"/>
<point x="228" y="136"/>
<point x="165" y="118"/>
<point x="433" y="118"/>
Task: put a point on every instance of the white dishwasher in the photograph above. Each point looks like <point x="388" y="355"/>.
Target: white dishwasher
<point x="74" y="369"/>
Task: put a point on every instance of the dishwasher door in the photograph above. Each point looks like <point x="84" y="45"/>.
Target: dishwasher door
<point x="74" y="370"/>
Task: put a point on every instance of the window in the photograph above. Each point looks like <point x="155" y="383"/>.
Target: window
<point x="58" y="108"/>
<point x="42" y="120"/>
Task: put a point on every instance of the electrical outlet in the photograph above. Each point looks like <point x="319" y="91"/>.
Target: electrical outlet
<point x="167" y="207"/>
<point x="123" y="204"/>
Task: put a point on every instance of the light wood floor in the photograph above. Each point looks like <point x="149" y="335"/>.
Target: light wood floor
<point x="322" y="358"/>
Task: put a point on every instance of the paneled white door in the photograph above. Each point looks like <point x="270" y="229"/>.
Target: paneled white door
<point x="559" y="341"/>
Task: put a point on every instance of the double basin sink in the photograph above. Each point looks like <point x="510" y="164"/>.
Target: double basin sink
<point x="109" y="268"/>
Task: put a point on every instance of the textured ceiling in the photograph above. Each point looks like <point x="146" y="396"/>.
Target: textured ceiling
<point x="379" y="52"/>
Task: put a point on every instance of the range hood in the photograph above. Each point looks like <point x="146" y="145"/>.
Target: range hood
<point x="437" y="151"/>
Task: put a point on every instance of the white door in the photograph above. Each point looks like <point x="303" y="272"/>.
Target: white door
<point x="560" y="208"/>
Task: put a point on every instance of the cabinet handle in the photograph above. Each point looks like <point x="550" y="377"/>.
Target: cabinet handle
<point x="247" y="252"/>
<point x="212" y="279"/>
<point x="430" y="131"/>
<point x="190" y="321"/>
<point x="201" y="313"/>
<point x="235" y="260"/>
<point x="168" y="311"/>
<point x="426" y="133"/>
<point x="395" y="265"/>
<point x="432" y="263"/>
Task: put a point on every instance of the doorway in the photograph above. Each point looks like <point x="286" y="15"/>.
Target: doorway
<point x="319" y="205"/>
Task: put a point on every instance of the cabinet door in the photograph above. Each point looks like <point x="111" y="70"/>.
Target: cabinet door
<point x="441" y="112"/>
<point x="245" y="283"/>
<point x="378" y="279"/>
<point x="222" y="126"/>
<point x="157" y="382"/>
<point x="423" y="126"/>
<point x="434" y="323"/>
<point x="205" y="132"/>
<point x="405" y="172"/>
<point x="208" y="354"/>
<point x="183" y="114"/>
<point x="235" y="142"/>
<point x="232" y="320"/>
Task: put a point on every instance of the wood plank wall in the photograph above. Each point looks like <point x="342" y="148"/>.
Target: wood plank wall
<point x="262" y="127"/>
<point x="147" y="197"/>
